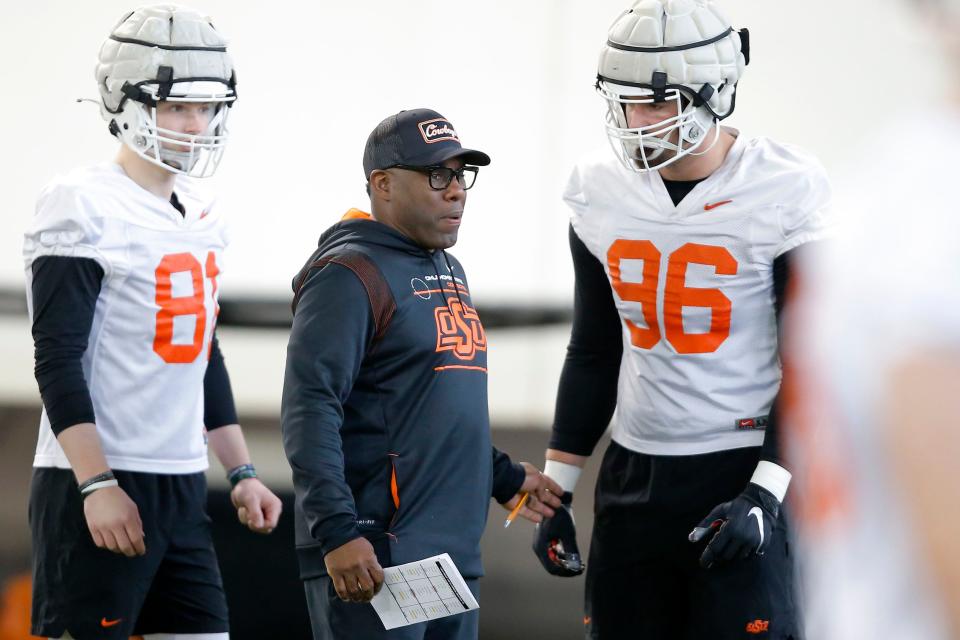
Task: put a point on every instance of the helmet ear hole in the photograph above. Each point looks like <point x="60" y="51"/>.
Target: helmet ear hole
<point x="692" y="132"/>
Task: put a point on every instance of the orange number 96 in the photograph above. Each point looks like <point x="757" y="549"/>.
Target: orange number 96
<point x="676" y="294"/>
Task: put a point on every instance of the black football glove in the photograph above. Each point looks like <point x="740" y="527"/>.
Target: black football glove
<point x="555" y="541"/>
<point x="741" y="528"/>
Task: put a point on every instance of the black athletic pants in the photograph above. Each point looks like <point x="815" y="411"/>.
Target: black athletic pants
<point x="643" y="577"/>
<point x="96" y="593"/>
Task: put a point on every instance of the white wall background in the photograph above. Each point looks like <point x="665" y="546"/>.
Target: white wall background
<point x="514" y="76"/>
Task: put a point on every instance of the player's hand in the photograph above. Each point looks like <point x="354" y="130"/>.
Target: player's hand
<point x="355" y="571"/>
<point x="114" y="521"/>
<point x="544" y="495"/>
<point x="740" y="528"/>
<point x="555" y="541"/>
<point x="257" y="507"/>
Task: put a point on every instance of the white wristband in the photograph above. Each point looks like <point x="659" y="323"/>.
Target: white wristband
<point x="565" y="475"/>
<point x="773" y="478"/>
<point x="103" y="484"/>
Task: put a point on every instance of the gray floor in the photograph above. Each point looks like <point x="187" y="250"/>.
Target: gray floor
<point x="518" y="598"/>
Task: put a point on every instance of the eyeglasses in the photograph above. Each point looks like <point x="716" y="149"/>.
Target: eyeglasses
<point x="441" y="177"/>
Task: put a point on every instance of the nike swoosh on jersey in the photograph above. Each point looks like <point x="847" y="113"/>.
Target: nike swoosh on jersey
<point x="759" y="515"/>
<point x="713" y="205"/>
<point x="109" y="623"/>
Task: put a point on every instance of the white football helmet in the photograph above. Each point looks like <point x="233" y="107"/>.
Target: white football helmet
<point x="680" y="52"/>
<point x="174" y="54"/>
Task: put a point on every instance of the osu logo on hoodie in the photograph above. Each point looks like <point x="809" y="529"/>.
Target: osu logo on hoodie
<point x="459" y="330"/>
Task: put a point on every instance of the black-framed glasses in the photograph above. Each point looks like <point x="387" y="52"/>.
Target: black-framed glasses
<point x="441" y="177"/>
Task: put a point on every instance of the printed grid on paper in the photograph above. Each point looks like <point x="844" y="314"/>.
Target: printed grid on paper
<point x="422" y="592"/>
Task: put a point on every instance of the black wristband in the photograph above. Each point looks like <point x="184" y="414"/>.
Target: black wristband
<point x="100" y="477"/>
<point x="241" y="472"/>
<point x="99" y="481"/>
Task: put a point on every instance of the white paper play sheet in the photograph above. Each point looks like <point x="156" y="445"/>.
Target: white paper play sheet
<point x="424" y="590"/>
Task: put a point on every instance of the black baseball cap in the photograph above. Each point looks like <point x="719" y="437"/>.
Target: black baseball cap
<point x="418" y="138"/>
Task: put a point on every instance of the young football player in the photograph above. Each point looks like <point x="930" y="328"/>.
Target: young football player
<point x="123" y="265"/>
<point x="682" y="243"/>
<point x="873" y="426"/>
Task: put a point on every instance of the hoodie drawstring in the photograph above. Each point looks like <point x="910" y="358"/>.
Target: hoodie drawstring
<point x="453" y="279"/>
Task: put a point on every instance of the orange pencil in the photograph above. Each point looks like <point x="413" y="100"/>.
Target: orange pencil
<point x="516" y="510"/>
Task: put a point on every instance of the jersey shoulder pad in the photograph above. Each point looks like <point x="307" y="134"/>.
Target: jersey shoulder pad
<point x="67" y="221"/>
<point x="798" y="184"/>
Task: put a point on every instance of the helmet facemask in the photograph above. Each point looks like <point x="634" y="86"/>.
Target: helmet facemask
<point x="196" y="155"/>
<point x="690" y="130"/>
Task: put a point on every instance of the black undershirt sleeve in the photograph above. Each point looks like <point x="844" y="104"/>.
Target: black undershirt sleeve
<point x="783" y="268"/>
<point x="219" y="409"/>
<point x="64" y="293"/>
<point x="771" y="439"/>
<point x="587" y="394"/>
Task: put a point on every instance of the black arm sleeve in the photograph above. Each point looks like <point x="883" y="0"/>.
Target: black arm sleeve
<point x="587" y="394"/>
<point x="219" y="409"/>
<point x="784" y="266"/>
<point x="64" y="292"/>
<point x="507" y="476"/>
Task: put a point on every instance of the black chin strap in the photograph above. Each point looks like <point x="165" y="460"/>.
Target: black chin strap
<point x="164" y="82"/>
<point x="659" y="85"/>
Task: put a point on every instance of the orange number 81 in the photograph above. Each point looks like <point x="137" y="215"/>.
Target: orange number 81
<point x="192" y="305"/>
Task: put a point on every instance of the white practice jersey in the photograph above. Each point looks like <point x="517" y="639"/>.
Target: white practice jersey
<point x="888" y="287"/>
<point x="154" y="319"/>
<point x="693" y="284"/>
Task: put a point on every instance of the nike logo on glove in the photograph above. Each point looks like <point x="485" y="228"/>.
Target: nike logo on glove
<point x="759" y="515"/>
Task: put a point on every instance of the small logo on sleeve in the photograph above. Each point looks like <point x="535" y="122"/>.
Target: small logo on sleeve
<point x="437" y="130"/>
<point x="759" y="422"/>
<point x="106" y="624"/>
<point x="758" y="626"/>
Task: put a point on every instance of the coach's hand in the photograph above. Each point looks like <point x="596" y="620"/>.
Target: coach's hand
<point x="114" y="521"/>
<point x="543" y="495"/>
<point x="741" y="528"/>
<point x="355" y="571"/>
<point x="555" y="541"/>
<point x="257" y="507"/>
